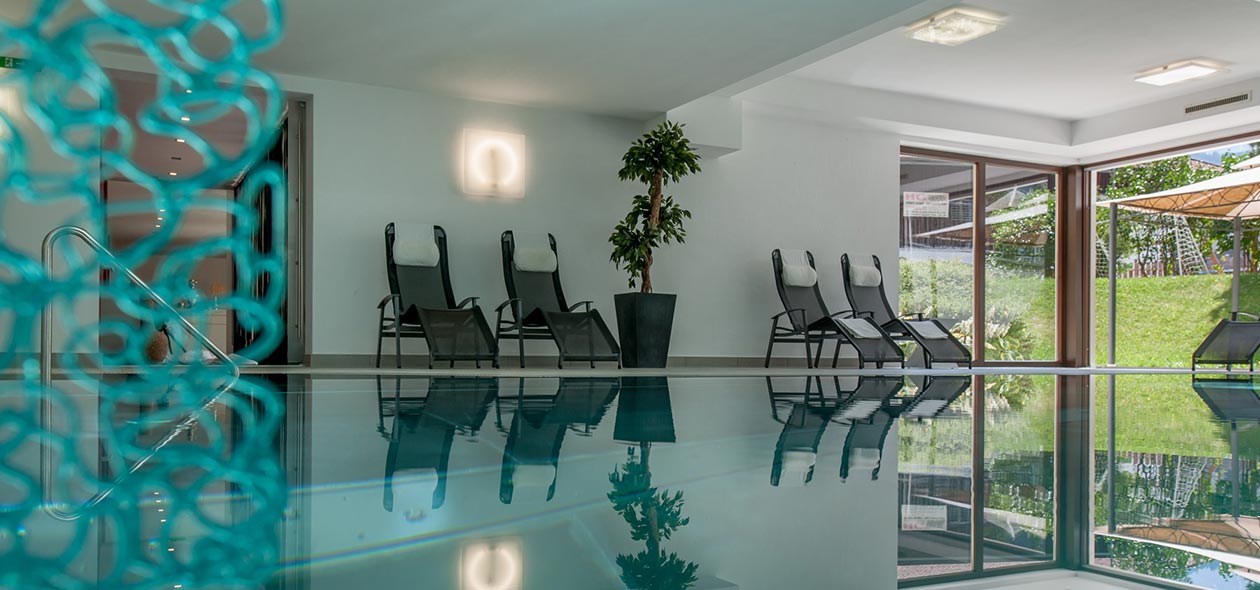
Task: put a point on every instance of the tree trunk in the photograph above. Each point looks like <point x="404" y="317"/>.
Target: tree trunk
<point x="654" y="219"/>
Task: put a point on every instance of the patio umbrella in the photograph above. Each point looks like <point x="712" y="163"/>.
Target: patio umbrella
<point x="1234" y="196"/>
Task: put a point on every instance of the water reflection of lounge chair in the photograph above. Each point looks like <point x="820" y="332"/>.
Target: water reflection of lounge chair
<point x="531" y="457"/>
<point x="423" y="430"/>
<point x="870" y="394"/>
<point x="864" y="445"/>
<point x="1232" y="400"/>
<point x="1232" y="342"/>
<point x="935" y="394"/>
<point x="804" y="416"/>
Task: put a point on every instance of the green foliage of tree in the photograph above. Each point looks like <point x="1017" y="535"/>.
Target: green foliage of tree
<point x="663" y="155"/>
<point x="653" y="517"/>
<point x="1150" y="559"/>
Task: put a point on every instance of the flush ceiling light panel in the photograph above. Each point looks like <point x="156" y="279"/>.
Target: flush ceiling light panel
<point x="1181" y="71"/>
<point x="955" y="26"/>
<point x="494" y="163"/>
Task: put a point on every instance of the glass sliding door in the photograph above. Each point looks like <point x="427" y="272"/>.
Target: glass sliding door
<point x="1020" y="263"/>
<point x="937" y="247"/>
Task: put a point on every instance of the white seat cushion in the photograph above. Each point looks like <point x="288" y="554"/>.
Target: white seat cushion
<point x="861" y="328"/>
<point x="414" y="245"/>
<point x="532" y="252"/>
<point x="796" y="269"/>
<point x="928" y="330"/>
<point x="864" y="275"/>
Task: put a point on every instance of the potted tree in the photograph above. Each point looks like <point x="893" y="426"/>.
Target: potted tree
<point x="645" y="319"/>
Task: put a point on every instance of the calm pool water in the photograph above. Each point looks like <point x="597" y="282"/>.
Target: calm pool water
<point x="592" y="482"/>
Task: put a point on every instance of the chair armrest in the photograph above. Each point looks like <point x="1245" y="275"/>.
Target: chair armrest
<point x="913" y="316"/>
<point x="786" y="312"/>
<point x="387" y="299"/>
<point x="504" y="305"/>
<point x="472" y="300"/>
<point x="1233" y="315"/>
<point x="586" y="304"/>
<point x="853" y="314"/>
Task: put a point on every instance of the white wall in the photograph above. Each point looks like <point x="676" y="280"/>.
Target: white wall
<point x="383" y="155"/>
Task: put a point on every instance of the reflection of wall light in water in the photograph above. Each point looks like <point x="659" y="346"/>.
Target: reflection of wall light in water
<point x="493" y="163"/>
<point x="491" y="567"/>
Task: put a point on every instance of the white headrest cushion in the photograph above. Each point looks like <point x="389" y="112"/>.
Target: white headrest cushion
<point x="864" y="275"/>
<point x="414" y="245"/>
<point x="799" y="459"/>
<point x="864" y="458"/>
<point x="796" y="269"/>
<point x="532" y="253"/>
<point x="928" y="330"/>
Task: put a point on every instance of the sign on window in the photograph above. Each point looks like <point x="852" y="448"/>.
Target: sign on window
<point x="925" y="204"/>
<point x="923" y="518"/>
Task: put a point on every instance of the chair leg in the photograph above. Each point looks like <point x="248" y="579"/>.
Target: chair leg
<point x="818" y="353"/>
<point x="398" y="347"/>
<point x="380" y="338"/>
<point x="809" y="356"/>
<point x="835" y="358"/>
<point x="520" y="347"/>
<point x="769" y="349"/>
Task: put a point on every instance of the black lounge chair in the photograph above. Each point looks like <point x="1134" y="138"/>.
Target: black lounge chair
<point x="424" y="428"/>
<point x="531" y="457"/>
<point x="540" y="311"/>
<point x="810" y="323"/>
<point x="424" y="304"/>
<point x="864" y="287"/>
<point x="1233" y="341"/>
<point x="935" y="394"/>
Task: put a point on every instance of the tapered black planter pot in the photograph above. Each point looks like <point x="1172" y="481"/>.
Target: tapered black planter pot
<point x="644" y="324"/>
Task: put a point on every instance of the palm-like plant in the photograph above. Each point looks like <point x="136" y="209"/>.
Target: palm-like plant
<point x="661" y="156"/>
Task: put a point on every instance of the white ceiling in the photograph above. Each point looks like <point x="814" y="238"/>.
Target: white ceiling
<point x="1067" y="59"/>
<point x="631" y="58"/>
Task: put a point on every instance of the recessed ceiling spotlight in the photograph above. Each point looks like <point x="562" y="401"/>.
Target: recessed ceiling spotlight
<point x="173" y="173"/>
<point x="180" y="140"/>
<point x="1181" y="71"/>
<point x="188" y="90"/>
<point x="955" y="26"/>
<point x="184" y="119"/>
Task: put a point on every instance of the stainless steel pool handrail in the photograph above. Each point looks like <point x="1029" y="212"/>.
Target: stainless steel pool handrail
<point x="45" y="368"/>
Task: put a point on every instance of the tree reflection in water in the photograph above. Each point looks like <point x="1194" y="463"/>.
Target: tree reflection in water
<point x="653" y="517"/>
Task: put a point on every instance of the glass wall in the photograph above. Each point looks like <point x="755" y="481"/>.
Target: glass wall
<point x="1168" y="264"/>
<point x="1018" y="223"/>
<point x="1020" y="263"/>
<point x="936" y="245"/>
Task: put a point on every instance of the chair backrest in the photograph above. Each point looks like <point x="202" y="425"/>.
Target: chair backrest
<point x="537" y="290"/>
<point x="799" y="296"/>
<point x="866" y="293"/>
<point x="418" y="283"/>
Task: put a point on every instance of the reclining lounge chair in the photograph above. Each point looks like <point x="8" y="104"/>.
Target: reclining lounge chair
<point x="1232" y="342"/>
<point x="810" y="323"/>
<point x="864" y="287"/>
<point x="423" y="302"/>
<point x="539" y="310"/>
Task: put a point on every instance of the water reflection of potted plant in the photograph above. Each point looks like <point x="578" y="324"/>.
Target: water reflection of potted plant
<point x="654" y="515"/>
<point x="644" y="417"/>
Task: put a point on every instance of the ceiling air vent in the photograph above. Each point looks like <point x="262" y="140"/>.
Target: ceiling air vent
<point x="1220" y="102"/>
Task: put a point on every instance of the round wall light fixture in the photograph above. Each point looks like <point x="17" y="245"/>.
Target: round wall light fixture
<point x="493" y="163"/>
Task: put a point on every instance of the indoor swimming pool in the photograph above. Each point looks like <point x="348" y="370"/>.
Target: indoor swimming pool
<point x="587" y="481"/>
